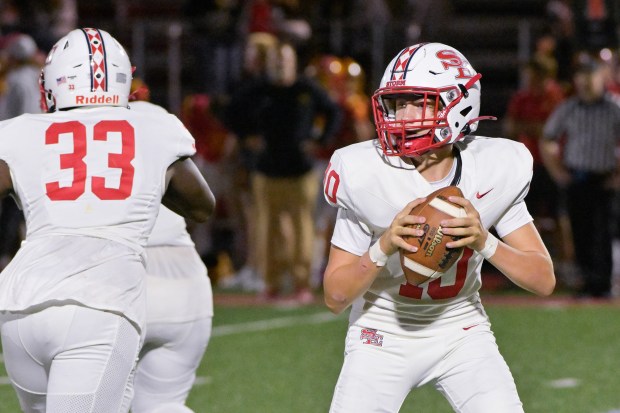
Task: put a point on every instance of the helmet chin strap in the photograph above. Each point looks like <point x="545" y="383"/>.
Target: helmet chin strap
<point x="467" y="129"/>
<point x="481" y="118"/>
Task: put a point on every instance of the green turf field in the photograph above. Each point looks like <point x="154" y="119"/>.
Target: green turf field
<point x="565" y="359"/>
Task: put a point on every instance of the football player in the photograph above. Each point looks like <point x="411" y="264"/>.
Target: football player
<point x="90" y="176"/>
<point x="402" y="336"/>
<point x="179" y="311"/>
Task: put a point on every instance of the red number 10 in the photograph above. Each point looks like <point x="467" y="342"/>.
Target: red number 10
<point x="75" y="160"/>
<point x="435" y="290"/>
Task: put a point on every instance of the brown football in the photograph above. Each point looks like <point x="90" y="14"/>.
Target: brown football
<point x="432" y="258"/>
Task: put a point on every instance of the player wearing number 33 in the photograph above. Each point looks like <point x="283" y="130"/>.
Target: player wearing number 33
<point x="402" y="336"/>
<point x="89" y="176"/>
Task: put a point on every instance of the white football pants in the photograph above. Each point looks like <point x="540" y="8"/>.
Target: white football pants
<point x="465" y="366"/>
<point x="168" y="361"/>
<point x="71" y="359"/>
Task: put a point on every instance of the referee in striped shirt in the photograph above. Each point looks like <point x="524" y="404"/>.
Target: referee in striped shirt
<point x="579" y="150"/>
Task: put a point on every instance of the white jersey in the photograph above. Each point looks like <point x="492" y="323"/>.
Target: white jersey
<point x="370" y="189"/>
<point x="169" y="230"/>
<point x="97" y="173"/>
<point x="179" y="289"/>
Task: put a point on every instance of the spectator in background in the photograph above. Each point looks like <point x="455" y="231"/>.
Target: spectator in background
<point x="579" y="151"/>
<point x="344" y="79"/>
<point x="279" y="114"/>
<point x="528" y="109"/>
<point x="545" y="54"/>
<point x="22" y="67"/>
<point x="259" y="60"/>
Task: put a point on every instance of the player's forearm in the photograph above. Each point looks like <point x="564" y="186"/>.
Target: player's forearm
<point x="344" y="284"/>
<point x="530" y="270"/>
<point x="6" y="184"/>
<point x="550" y="154"/>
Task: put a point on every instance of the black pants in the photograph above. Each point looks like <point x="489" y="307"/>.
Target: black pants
<point x="590" y="212"/>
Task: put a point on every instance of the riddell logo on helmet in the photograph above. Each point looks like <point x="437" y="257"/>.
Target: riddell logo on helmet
<point x="392" y="83"/>
<point x="107" y="100"/>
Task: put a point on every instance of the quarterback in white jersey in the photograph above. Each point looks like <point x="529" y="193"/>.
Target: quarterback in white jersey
<point x="89" y="176"/>
<point x="179" y="303"/>
<point x="402" y="336"/>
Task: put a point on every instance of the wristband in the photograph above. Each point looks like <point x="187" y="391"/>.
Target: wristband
<point x="376" y="255"/>
<point x="490" y="246"/>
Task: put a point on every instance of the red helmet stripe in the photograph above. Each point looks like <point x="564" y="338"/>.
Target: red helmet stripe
<point x="98" y="60"/>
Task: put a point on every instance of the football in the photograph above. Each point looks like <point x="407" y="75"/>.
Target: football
<point x="432" y="258"/>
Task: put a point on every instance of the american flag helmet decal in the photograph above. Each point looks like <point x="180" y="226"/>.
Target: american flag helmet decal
<point x="98" y="60"/>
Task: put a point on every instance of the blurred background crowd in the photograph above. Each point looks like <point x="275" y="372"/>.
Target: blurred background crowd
<point x="270" y="88"/>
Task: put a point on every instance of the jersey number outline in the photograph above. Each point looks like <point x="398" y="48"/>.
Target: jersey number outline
<point x="331" y="182"/>
<point x="75" y="160"/>
<point x="437" y="291"/>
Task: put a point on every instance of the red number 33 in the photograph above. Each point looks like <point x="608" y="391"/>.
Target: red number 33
<point x="75" y="160"/>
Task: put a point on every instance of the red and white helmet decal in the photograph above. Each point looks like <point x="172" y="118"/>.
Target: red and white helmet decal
<point x="401" y="63"/>
<point x="98" y="61"/>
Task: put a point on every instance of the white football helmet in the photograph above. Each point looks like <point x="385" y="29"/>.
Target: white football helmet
<point x="442" y="77"/>
<point x="87" y="67"/>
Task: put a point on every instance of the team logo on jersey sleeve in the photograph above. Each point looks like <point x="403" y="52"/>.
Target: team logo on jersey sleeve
<point x="370" y="336"/>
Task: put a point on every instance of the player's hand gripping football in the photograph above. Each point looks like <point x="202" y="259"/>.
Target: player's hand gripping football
<point x="469" y="228"/>
<point x="402" y="225"/>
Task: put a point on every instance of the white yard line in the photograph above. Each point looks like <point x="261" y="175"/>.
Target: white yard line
<point x="274" y="323"/>
<point x="564" y="383"/>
